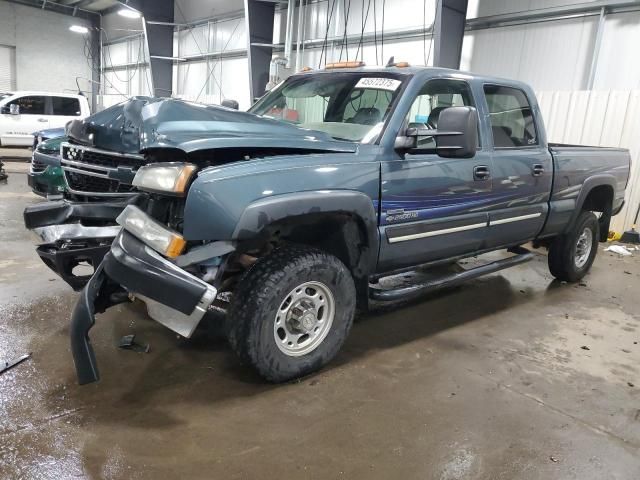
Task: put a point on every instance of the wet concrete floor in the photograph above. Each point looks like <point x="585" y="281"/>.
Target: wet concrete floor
<point x="491" y="380"/>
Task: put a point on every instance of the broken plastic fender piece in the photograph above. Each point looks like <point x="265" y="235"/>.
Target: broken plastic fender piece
<point x="619" y="249"/>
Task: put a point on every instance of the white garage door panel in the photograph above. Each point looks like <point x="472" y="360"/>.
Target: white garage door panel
<point x="7" y="68"/>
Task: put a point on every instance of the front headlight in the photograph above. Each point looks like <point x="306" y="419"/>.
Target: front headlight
<point x="153" y="233"/>
<point x="170" y="177"/>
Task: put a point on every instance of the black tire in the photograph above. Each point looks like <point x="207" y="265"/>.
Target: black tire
<point x="563" y="262"/>
<point x="259" y="297"/>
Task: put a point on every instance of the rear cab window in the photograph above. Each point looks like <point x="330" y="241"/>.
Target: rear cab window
<point x="511" y="117"/>
<point x="66" y="106"/>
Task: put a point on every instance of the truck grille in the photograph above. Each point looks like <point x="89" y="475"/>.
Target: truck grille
<point x="97" y="172"/>
<point x="37" y="166"/>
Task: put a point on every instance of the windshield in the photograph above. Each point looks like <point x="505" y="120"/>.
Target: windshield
<point x="348" y="106"/>
<point x="5" y="95"/>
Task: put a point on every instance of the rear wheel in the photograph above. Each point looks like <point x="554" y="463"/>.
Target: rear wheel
<point x="571" y="255"/>
<point x="291" y="312"/>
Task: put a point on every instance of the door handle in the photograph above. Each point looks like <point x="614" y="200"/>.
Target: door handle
<point x="537" y="170"/>
<point x="481" y="172"/>
<point x="42" y="119"/>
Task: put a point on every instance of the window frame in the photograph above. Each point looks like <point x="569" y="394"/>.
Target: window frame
<point x="533" y="115"/>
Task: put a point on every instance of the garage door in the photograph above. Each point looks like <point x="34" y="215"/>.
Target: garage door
<point x="7" y="68"/>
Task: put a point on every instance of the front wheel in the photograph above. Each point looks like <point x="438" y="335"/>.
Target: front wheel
<point x="571" y="255"/>
<point x="291" y="312"/>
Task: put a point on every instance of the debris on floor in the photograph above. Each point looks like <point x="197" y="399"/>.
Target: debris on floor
<point x="10" y="365"/>
<point x="619" y="249"/>
<point x="584" y="347"/>
<point x="128" y="343"/>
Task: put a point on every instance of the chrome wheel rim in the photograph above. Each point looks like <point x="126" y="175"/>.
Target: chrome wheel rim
<point x="304" y="319"/>
<point x="583" y="247"/>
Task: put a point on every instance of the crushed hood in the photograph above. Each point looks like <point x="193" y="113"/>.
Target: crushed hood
<point x="143" y="123"/>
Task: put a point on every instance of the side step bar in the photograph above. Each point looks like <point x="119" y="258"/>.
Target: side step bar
<point x="403" y="293"/>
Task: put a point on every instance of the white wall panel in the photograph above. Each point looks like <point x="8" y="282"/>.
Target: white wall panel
<point x="483" y="8"/>
<point x="600" y="118"/>
<point x="43" y="43"/>
<point x="618" y="65"/>
<point x="548" y="55"/>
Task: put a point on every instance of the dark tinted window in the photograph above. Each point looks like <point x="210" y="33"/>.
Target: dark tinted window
<point x="65" y="106"/>
<point x="511" y="118"/>
<point x="30" y="105"/>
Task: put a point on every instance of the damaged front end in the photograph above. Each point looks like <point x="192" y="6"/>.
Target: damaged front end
<point x="149" y="259"/>
<point x="174" y="297"/>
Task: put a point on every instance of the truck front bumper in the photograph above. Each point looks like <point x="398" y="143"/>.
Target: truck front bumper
<point x="174" y="297"/>
<point x="69" y="234"/>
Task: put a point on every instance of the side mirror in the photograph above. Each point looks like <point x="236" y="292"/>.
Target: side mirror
<point x="14" y="109"/>
<point x="230" y="104"/>
<point x="459" y="137"/>
<point x="456" y="136"/>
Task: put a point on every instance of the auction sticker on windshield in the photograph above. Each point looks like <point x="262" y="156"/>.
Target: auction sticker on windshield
<point x="379" y="83"/>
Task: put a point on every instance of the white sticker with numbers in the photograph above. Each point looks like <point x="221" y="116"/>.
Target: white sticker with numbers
<point x="379" y="83"/>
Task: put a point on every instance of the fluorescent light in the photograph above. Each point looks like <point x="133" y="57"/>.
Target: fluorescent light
<point x="79" y="29"/>
<point x="129" y="13"/>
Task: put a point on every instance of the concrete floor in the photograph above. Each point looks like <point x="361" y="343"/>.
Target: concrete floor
<point x="488" y="381"/>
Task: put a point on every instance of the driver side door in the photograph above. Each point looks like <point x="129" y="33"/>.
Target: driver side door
<point x="432" y="207"/>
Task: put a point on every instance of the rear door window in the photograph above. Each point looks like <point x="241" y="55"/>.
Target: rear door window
<point x="30" y="105"/>
<point x="66" y="106"/>
<point x="512" y="122"/>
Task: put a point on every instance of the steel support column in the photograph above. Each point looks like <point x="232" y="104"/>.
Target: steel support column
<point x="448" y="32"/>
<point x="159" y="43"/>
<point x="259" y="16"/>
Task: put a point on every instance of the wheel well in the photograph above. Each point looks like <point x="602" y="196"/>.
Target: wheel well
<point x="600" y="199"/>
<point x="339" y="233"/>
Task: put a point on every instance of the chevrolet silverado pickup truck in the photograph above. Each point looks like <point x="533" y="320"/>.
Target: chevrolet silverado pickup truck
<point x="287" y="217"/>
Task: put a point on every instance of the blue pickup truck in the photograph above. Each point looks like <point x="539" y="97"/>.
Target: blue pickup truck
<point x="287" y="217"/>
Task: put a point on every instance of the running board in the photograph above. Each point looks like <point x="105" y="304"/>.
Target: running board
<point x="403" y="293"/>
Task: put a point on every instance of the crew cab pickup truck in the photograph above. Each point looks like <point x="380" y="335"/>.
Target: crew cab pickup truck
<point x="288" y="216"/>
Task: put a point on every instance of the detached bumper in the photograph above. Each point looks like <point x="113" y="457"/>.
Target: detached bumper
<point x="174" y="297"/>
<point x="70" y="234"/>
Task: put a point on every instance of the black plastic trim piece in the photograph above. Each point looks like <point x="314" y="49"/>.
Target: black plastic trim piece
<point x="82" y="320"/>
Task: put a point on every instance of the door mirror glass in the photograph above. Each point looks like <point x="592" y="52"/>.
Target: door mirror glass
<point x="14" y="109"/>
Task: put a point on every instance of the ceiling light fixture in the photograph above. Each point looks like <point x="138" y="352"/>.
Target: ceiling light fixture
<point x="79" y="29"/>
<point x="128" y="13"/>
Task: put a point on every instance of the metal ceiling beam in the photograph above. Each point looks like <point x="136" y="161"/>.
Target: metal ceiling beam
<point x="58" y="8"/>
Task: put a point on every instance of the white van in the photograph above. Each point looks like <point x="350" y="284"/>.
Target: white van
<point x="23" y="113"/>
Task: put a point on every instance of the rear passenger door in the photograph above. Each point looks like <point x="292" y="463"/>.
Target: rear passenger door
<point x="64" y="109"/>
<point x="522" y="167"/>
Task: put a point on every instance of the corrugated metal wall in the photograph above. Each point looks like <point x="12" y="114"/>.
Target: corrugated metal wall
<point x="608" y="118"/>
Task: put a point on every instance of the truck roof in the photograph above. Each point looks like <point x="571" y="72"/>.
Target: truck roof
<point x="420" y="70"/>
